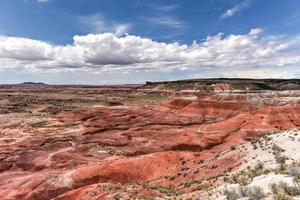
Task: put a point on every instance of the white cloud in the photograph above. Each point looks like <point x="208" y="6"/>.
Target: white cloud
<point x="105" y="52"/>
<point x="162" y="16"/>
<point x="24" y="49"/>
<point x="262" y="73"/>
<point x="96" y="23"/>
<point x="43" y="1"/>
<point x="168" y="8"/>
<point x="166" y="21"/>
<point x="236" y="8"/>
<point x="122" y="29"/>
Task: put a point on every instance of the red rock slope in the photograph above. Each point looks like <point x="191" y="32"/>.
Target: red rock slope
<point x="137" y="150"/>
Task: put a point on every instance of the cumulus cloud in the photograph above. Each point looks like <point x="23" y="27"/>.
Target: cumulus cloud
<point x="24" y="49"/>
<point x="236" y="8"/>
<point x="109" y="52"/>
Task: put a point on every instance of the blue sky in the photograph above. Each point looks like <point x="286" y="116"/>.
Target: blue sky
<point x="118" y="41"/>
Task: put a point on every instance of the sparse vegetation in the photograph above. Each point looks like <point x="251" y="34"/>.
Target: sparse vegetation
<point x="253" y="193"/>
<point x="294" y="170"/>
<point x="284" y="191"/>
<point x="233" y="148"/>
<point x="282" y="196"/>
<point x="280" y="190"/>
<point x="169" y="191"/>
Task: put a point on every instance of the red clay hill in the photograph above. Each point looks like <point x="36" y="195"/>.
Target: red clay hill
<point x="139" y="149"/>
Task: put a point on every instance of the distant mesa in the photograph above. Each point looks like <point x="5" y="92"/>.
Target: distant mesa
<point x="226" y="84"/>
<point x="33" y="83"/>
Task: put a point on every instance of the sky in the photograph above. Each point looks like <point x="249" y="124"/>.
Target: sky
<point x="133" y="41"/>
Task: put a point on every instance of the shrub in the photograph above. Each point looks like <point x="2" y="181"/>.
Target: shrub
<point x="233" y="178"/>
<point x="294" y="171"/>
<point x="243" y="180"/>
<point x="233" y="147"/>
<point x="274" y="188"/>
<point x="290" y="190"/>
<point x="283" y="190"/>
<point x="282" y="196"/>
<point x="277" y="149"/>
<point x="255" y="193"/>
<point x="281" y="160"/>
<point x="259" y="166"/>
<point x="231" y="194"/>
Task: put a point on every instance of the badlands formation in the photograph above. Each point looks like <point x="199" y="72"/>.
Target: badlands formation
<point x="194" y="139"/>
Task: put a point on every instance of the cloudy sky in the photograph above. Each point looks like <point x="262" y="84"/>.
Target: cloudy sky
<point x="132" y="41"/>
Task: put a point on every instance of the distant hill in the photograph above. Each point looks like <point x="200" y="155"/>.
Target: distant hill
<point x="33" y="83"/>
<point x="226" y="84"/>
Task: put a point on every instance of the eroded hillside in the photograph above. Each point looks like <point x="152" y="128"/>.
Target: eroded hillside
<point x="141" y="142"/>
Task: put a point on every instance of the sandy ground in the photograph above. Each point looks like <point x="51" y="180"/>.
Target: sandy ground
<point x="262" y="152"/>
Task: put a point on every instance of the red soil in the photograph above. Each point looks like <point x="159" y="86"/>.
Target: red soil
<point x="169" y="144"/>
